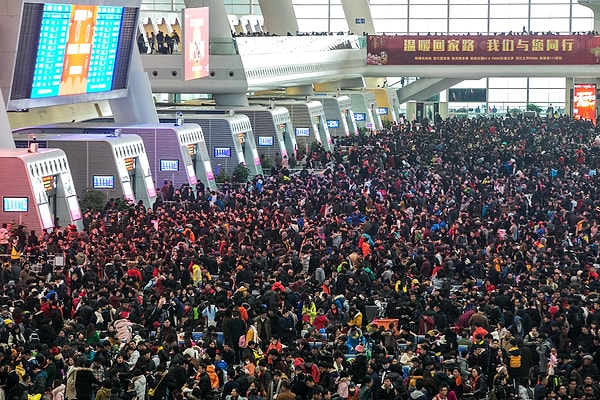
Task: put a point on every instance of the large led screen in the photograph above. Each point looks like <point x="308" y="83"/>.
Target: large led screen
<point x="70" y="53"/>
<point x="584" y="102"/>
<point x="195" y="37"/>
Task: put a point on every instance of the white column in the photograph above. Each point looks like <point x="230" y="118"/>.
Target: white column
<point x="358" y="16"/>
<point x="279" y="16"/>
<point x="218" y="22"/>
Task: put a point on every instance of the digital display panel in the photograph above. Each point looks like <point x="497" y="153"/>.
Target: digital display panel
<point x="130" y="164"/>
<point x="49" y="183"/>
<point x="584" y="101"/>
<point x="196" y="38"/>
<point x="382" y="110"/>
<point x="15" y="204"/>
<point x="302" y="131"/>
<point x="265" y="140"/>
<point x="72" y="49"/>
<point x="169" y="165"/>
<point x="222" y="152"/>
<point x="103" y="181"/>
<point x="333" y="123"/>
<point x="191" y="149"/>
<point x="359" y="117"/>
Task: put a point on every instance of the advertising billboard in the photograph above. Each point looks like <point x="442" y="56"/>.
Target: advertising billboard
<point x="195" y="46"/>
<point x="584" y="101"/>
<point x="483" y="49"/>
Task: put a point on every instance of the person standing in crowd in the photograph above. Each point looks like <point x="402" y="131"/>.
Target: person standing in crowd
<point x="469" y="262"/>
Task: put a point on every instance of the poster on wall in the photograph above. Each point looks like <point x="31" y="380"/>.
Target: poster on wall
<point x="195" y="37"/>
<point x="584" y="101"/>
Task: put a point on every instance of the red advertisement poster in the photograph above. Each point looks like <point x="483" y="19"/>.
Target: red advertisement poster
<point x="78" y="50"/>
<point x="483" y="49"/>
<point x="584" y="102"/>
<point x="195" y="38"/>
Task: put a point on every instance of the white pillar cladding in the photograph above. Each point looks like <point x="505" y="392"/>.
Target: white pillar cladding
<point x="358" y="16"/>
<point x="138" y="107"/>
<point x="279" y="16"/>
<point x="218" y="21"/>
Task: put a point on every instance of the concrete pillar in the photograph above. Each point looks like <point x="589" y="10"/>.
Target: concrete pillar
<point x="218" y="23"/>
<point x="279" y="16"/>
<point x="358" y="16"/>
<point x="138" y="107"/>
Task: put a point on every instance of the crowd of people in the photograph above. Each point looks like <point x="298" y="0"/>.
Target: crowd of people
<point x="456" y="259"/>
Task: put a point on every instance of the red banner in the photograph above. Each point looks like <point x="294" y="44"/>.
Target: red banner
<point x="584" y="102"/>
<point x="483" y="49"/>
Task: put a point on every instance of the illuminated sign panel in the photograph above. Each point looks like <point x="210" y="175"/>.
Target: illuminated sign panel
<point x="303" y="132"/>
<point x="49" y="182"/>
<point x="222" y="152"/>
<point x="195" y="42"/>
<point x="103" y="182"/>
<point x="15" y="204"/>
<point x="169" y="165"/>
<point x="265" y="140"/>
<point x="584" y="102"/>
<point x="130" y="164"/>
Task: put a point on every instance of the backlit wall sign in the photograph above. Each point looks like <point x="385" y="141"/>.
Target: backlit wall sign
<point x="584" y="102"/>
<point x="195" y="36"/>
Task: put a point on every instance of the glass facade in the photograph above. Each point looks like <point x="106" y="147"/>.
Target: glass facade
<point x="448" y="17"/>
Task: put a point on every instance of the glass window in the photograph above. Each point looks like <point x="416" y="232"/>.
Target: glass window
<point x="554" y="11"/>
<point x="387" y="2"/>
<point x="509" y="11"/>
<point x="391" y="25"/>
<point x="467" y="84"/>
<point x="337" y="12"/>
<point x="315" y="11"/>
<point x="425" y="2"/>
<point x="339" y="25"/>
<point x="507" y="83"/>
<point x="428" y="11"/>
<point x="416" y="26"/>
<point x="580" y="11"/>
<point x="546" y="95"/>
<point x="547" y="83"/>
<point x="582" y="24"/>
<point x="468" y="11"/>
<point x="312" y="25"/>
<point x="507" y="25"/>
<point x="561" y="25"/>
<point x="468" y="25"/>
<point x="391" y="11"/>
<point x="506" y="95"/>
<point x="452" y="2"/>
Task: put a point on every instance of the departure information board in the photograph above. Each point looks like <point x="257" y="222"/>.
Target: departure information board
<point x="77" y="49"/>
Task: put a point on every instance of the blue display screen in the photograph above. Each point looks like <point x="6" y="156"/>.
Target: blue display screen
<point x="15" y="204"/>
<point x="169" y="165"/>
<point x="359" y="117"/>
<point x="302" y="131"/>
<point x="77" y="50"/>
<point x="265" y="140"/>
<point x="222" y="152"/>
<point x="103" y="182"/>
<point x="333" y="123"/>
